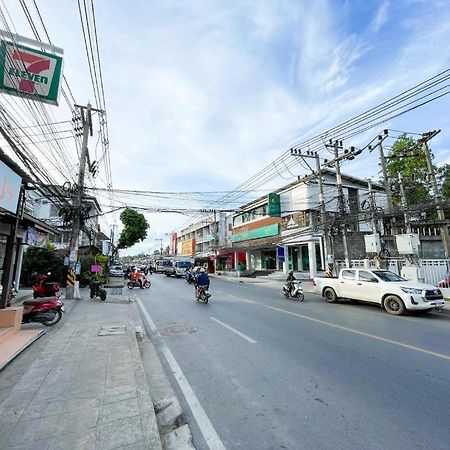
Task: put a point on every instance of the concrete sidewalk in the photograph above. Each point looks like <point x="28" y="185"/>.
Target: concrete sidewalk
<point x="81" y="386"/>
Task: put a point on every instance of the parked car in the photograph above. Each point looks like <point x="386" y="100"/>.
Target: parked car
<point x="116" y="271"/>
<point x="392" y="292"/>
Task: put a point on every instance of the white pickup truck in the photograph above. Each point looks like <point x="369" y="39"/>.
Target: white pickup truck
<point x="392" y="292"/>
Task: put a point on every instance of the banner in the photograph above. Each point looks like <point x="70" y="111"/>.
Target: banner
<point x="35" y="238"/>
<point x="30" y="72"/>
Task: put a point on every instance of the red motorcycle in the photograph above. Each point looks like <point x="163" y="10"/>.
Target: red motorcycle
<point x="44" y="288"/>
<point x="48" y="311"/>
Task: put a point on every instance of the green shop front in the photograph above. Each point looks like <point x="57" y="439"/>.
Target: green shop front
<point x="259" y="242"/>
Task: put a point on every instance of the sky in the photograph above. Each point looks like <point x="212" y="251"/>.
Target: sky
<point x="203" y="94"/>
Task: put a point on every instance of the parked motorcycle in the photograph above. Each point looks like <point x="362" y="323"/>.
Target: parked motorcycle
<point x="48" y="311"/>
<point x="203" y="294"/>
<point x="296" y="292"/>
<point x="97" y="290"/>
<point x="135" y="283"/>
<point x="44" y="288"/>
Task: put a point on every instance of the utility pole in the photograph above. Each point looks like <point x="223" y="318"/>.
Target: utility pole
<point x="436" y="194"/>
<point x="72" y="291"/>
<point x="372" y="207"/>
<point x="336" y="147"/>
<point x="404" y="204"/>
<point x="323" y="213"/>
<point x="160" y="242"/>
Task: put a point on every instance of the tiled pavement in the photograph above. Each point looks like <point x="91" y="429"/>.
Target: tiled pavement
<point x="74" y="389"/>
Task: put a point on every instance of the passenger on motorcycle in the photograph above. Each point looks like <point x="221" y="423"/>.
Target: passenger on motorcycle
<point x="202" y="281"/>
<point x="290" y="278"/>
<point x="137" y="276"/>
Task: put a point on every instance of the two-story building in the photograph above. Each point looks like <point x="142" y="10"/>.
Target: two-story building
<point x="292" y="237"/>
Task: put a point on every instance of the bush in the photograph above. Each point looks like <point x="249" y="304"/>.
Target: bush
<point x="87" y="276"/>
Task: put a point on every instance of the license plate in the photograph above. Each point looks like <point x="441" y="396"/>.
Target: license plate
<point x="63" y="308"/>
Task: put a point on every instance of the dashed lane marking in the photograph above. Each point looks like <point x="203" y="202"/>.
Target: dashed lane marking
<point x="242" y="335"/>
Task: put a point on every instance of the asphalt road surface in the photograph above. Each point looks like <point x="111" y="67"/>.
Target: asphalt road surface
<point x="253" y="370"/>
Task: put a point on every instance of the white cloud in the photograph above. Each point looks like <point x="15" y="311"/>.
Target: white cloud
<point x="381" y="17"/>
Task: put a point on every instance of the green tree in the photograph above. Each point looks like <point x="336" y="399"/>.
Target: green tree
<point x="135" y="228"/>
<point x="41" y="260"/>
<point x="405" y="158"/>
<point x="443" y="177"/>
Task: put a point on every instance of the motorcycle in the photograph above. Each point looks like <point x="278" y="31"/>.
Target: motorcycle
<point x="135" y="283"/>
<point x="44" y="288"/>
<point x="296" y="291"/>
<point x="189" y="277"/>
<point x="48" y="311"/>
<point x="97" y="290"/>
<point x="203" y="294"/>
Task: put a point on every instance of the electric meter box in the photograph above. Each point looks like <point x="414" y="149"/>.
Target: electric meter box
<point x="407" y="244"/>
<point x="373" y="243"/>
<point x="413" y="273"/>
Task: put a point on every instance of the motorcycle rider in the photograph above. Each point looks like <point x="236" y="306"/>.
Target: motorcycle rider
<point x="202" y="281"/>
<point x="137" y="276"/>
<point x="289" y="281"/>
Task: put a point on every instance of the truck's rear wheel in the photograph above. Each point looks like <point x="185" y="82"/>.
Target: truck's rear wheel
<point x="394" y="305"/>
<point x="330" y="295"/>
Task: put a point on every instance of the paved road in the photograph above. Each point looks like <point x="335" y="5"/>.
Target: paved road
<point x="271" y="373"/>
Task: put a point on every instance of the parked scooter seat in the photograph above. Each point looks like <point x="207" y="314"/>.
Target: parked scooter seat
<point x="36" y="301"/>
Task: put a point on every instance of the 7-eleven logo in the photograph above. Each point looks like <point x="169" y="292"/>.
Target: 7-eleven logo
<point x="30" y="76"/>
<point x="28" y="71"/>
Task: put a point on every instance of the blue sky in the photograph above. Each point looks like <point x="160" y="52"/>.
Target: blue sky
<point x="202" y="94"/>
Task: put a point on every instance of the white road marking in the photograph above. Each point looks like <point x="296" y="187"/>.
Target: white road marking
<point x="242" y="335"/>
<point x="206" y="427"/>
<point x="362" y="333"/>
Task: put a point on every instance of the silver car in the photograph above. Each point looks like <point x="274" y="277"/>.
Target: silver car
<point x="116" y="271"/>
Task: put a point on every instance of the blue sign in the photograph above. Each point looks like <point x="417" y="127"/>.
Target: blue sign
<point x="280" y="253"/>
<point x="9" y="188"/>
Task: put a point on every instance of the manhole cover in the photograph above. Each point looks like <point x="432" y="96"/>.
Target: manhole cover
<point x="178" y="328"/>
<point x="116" y="291"/>
<point x="112" y="330"/>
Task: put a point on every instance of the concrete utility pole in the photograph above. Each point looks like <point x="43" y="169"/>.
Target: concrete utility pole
<point x="323" y="213"/>
<point x="386" y="179"/>
<point x="336" y="147"/>
<point x="404" y="204"/>
<point x="73" y="291"/>
<point x="436" y="194"/>
<point x="372" y="207"/>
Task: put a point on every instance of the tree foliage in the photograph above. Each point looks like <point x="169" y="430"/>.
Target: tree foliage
<point x="135" y="228"/>
<point x="408" y="160"/>
<point x="41" y="260"/>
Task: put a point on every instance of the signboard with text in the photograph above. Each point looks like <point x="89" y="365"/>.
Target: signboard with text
<point x="30" y="72"/>
<point x="9" y="188"/>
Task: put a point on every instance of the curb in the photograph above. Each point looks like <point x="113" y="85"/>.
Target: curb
<point x="174" y="432"/>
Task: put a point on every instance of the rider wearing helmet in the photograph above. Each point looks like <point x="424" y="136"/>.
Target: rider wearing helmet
<point x="290" y="278"/>
<point x="201" y="281"/>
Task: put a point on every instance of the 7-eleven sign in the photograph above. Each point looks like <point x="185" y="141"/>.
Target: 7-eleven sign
<point x="29" y="72"/>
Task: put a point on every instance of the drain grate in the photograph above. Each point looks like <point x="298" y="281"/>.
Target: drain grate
<point x="112" y="330"/>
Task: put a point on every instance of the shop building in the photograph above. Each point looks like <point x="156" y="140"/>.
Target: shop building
<point x="282" y="232"/>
